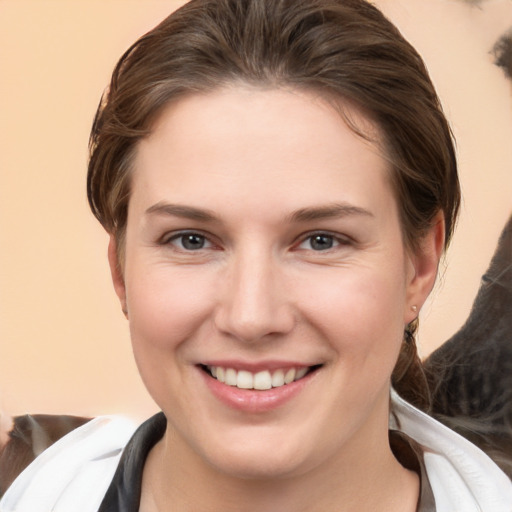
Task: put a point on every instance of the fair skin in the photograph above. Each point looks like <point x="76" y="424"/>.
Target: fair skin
<point x="263" y="238"/>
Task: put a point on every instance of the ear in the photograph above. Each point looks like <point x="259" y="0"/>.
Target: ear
<point x="424" y="263"/>
<point x="117" y="274"/>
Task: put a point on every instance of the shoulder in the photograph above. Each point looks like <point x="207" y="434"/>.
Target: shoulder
<point x="462" y="476"/>
<point x="62" y="477"/>
<point x="27" y="436"/>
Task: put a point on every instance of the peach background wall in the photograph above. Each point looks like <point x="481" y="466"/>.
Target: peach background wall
<point x="64" y="345"/>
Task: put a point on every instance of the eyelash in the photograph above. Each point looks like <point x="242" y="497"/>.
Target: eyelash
<point x="336" y="239"/>
<point x="181" y="236"/>
<point x="168" y="240"/>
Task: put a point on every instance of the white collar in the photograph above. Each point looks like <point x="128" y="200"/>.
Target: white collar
<point x="463" y="478"/>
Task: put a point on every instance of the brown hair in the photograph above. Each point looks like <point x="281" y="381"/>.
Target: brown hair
<point x="344" y="49"/>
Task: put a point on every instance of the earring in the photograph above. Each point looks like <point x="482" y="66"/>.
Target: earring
<point x="414" y="308"/>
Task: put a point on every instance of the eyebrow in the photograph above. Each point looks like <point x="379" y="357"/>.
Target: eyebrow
<point x="336" y="210"/>
<point x="185" y="212"/>
<point x="329" y="211"/>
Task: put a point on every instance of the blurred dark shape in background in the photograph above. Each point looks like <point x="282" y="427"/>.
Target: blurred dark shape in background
<point x="470" y="375"/>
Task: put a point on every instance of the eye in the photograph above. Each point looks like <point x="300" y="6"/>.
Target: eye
<point x="321" y="242"/>
<point x="189" y="241"/>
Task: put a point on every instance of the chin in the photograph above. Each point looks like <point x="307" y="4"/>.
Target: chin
<point x="261" y="466"/>
<point x="260" y="456"/>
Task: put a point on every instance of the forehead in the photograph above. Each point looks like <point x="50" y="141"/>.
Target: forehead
<point x="246" y="142"/>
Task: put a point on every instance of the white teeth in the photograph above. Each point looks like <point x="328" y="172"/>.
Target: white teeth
<point x="245" y="380"/>
<point x="230" y="377"/>
<point x="289" y="376"/>
<point x="278" y="379"/>
<point x="262" y="380"/>
<point x="300" y="373"/>
<point x="220" y="374"/>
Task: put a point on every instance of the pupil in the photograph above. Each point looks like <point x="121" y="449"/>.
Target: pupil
<point x="321" y="242"/>
<point x="193" y="242"/>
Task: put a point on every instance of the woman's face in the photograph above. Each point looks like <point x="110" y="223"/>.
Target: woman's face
<point x="263" y="246"/>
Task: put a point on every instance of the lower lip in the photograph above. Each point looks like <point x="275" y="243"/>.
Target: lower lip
<point x="255" y="401"/>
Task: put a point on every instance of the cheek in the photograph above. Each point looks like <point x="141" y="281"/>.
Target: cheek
<point x="166" y="311"/>
<point x="360" y="312"/>
<point x="165" y="307"/>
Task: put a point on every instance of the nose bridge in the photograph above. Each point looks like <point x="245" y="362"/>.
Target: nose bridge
<point x="253" y="303"/>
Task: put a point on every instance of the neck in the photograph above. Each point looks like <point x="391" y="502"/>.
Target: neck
<point x="364" y="478"/>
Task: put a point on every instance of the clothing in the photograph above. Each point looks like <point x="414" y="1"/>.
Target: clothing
<point x="123" y="495"/>
<point x="83" y="469"/>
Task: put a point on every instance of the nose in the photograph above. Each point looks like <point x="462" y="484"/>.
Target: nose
<point x="252" y="302"/>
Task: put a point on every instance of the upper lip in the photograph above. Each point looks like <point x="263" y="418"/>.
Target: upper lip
<point x="257" y="366"/>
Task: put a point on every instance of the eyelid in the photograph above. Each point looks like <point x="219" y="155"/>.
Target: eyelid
<point x="171" y="236"/>
<point x="339" y="238"/>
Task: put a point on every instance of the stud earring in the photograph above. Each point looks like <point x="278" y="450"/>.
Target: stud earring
<point x="414" y="308"/>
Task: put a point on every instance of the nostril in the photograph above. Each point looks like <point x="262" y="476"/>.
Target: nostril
<point x="251" y="303"/>
<point x="256" y="324"/>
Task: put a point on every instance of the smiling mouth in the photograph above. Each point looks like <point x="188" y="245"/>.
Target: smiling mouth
<point x="262" y="380"/>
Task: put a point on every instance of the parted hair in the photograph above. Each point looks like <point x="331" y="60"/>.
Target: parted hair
<point x="346" y="50"/>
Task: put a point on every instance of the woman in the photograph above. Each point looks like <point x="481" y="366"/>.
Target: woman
<point x="279" y="182"/>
